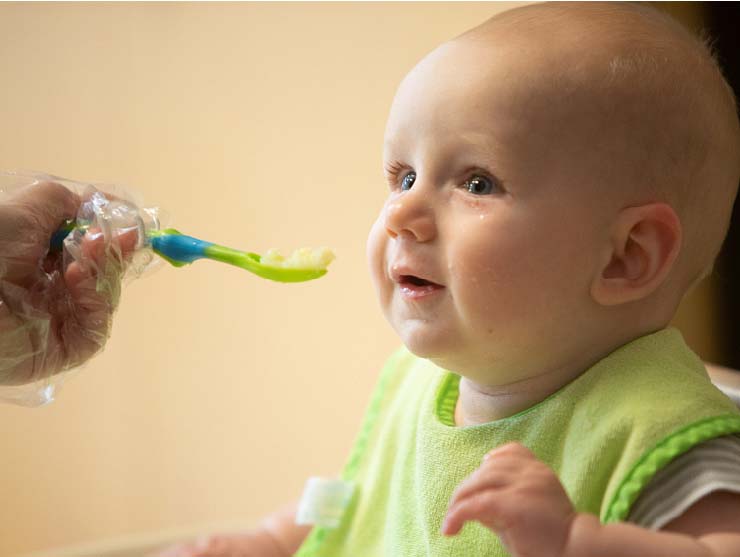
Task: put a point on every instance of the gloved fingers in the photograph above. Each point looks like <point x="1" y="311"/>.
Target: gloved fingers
<point x="49" y="332"/>
<point x="50" y="202"/>
<point x="108" y="227"/>
<point x="16" y="348"/>
<point x="95" y="251"/>
<point x="83" y="327"/>
<point x="29" y="216"/>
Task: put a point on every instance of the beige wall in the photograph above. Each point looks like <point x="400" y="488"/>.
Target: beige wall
<point x="253" y="125"/>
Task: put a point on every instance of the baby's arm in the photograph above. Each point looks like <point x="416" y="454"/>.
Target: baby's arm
<point x="282" y="527"/>
<point x="589" y="537"/>
<point x="277" y="536"/>
<point x="522" y="500"/>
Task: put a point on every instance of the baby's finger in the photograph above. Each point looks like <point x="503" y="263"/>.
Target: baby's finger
<point x="511" y="450"/>
<point x="488" y="477"/>
<point x="485" y="507"/>
<point x="499" y="467"/>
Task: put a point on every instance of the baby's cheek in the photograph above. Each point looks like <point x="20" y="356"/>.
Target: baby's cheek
<point x="376" y="248"/>
<point x="496" y="282"/>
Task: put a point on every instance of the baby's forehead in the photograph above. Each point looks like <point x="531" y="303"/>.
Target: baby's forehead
<point x="586" y="45"/>
<point x="511" y="95"/>
<point x="552" y="57"/>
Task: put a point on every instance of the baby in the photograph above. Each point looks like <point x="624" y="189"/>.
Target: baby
<point x="559" y="178"/>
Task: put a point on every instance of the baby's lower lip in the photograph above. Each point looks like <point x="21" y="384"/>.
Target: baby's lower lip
<point x="412" y="291"/>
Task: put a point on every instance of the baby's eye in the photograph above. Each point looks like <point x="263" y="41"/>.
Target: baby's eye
<point x="480" y="185"/>
<point x="408" y="181"/>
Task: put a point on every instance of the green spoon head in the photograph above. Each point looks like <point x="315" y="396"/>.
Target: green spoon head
<point x="280" y="274"/>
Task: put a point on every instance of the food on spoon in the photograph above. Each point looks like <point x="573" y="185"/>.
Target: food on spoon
<point x="302" y="258"/>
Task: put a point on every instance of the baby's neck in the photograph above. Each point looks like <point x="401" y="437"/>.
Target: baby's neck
<point x="478" y="403"/>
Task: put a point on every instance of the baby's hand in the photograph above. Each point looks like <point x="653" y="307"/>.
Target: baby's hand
<point x="519" y="498"/>
<point x="256" y="543"/>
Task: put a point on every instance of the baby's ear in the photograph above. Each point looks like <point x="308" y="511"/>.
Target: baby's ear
<point x="645" y="242"/>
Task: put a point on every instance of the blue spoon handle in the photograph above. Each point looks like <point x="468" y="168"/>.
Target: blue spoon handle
<point x="57" y="239"/>
<point x="179" y="247"/>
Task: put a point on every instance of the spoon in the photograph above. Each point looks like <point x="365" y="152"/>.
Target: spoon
<point x="179" y="250"/>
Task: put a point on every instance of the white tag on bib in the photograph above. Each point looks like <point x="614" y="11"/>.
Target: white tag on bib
<point x="324" y="501"/>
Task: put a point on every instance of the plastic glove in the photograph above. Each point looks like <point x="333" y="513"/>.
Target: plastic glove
<point x="56" y="307"/>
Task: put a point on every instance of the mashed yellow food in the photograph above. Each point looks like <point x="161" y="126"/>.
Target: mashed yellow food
<point x="302" y="258"/>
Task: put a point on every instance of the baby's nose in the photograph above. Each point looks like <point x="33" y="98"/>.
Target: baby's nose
<point x="410" y="214"/>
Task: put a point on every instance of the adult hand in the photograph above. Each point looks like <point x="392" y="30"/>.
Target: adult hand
<point x="55" y="307"/>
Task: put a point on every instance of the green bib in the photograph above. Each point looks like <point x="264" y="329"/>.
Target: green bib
<point x="605" y="434"/>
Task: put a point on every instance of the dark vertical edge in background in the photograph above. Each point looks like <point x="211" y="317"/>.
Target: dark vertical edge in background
<point x="723" y="25"/>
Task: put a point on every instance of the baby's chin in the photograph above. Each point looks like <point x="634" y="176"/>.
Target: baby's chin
<point x="424" y="339"/>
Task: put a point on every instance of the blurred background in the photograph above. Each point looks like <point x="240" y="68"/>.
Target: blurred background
<point x="253" y="125"/>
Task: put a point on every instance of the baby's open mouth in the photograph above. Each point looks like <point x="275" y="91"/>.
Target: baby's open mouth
<point x="417" y="288"/>
<point x="416" y="281"/>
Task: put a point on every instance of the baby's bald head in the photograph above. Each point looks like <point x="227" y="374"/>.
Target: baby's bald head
<point x="543" y="170"/>
<point x="632" y="102"/>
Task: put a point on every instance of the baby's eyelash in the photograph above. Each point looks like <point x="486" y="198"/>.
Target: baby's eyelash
<point x="393" y="168"/>
<point x="395" y="172"/>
